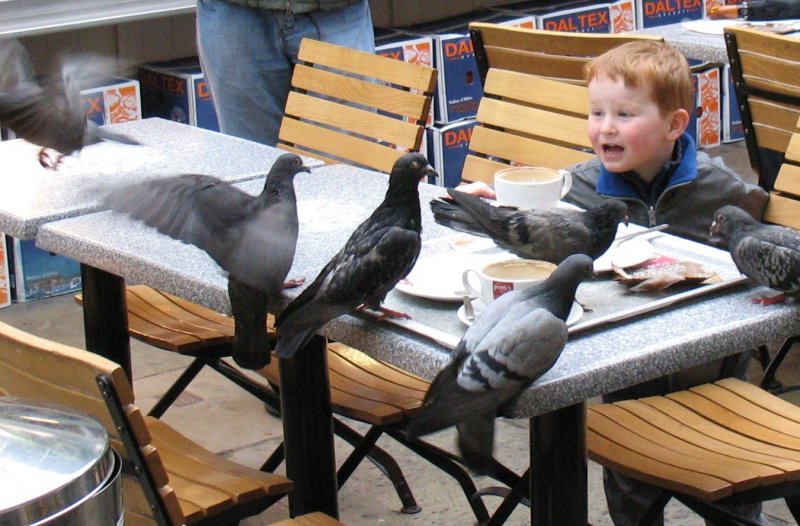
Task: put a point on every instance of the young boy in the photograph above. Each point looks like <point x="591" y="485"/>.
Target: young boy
<point x="640" y="99"/>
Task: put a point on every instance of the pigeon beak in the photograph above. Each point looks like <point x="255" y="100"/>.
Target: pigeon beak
<point x="429" y="172"/>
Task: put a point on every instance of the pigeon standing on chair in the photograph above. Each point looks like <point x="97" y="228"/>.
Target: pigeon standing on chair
<point x="48" y="112"/>
<point x="379" y="253"/>
<point x="517" y="339"/>
<point x="551" y="235"/>
<point x="253" y="238"/>
<point x="767" y="254"/>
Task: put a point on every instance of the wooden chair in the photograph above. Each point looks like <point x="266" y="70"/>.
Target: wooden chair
<point x="345" y="106"/>
<point x="556" y="55"/>
<point x="525" y="119"/>
<point x="766" y="75"/>
<point x="355" y="107"/>
<point x="168" y="480"/>
<point x="729" y="442"/>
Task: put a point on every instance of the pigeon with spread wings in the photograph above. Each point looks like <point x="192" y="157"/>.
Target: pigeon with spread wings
<point x="253" y="238"/>
<point x="48" y="112"/>
<point x="380" y="252"/>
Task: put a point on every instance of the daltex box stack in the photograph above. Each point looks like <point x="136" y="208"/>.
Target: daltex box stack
<point x="35" y="273"/>
<point x="177" y="90"/>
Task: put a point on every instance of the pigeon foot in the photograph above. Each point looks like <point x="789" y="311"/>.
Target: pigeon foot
<point x="293" y="283"/>
<point x="765" y="301"/>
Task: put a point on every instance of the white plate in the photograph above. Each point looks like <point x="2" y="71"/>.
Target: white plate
<point x="625" y="254"/>
<point x="439" y="277"/>
<point x="575" y="313"/>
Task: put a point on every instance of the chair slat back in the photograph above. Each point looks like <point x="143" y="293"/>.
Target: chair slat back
<point x="783" y="207"/>
<point x="41" y="370"/>
<point x="553" y="54"/>
<point x="355" y="107"/>
<point x="766" y="74"/>
<point x="524" y="119"/>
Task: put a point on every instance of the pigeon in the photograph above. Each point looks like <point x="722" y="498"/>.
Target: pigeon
<point x="48" y="112"/>
<point x="253" y="238"/>
<point x="767" y="254"/>
<point x="517" y="339"/>
<point x="380" y="252"/>
<point x="549" y="235"/>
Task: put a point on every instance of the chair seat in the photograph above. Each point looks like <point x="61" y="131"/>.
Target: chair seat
<point x="310" y="519"/>
<point x="366" y="389"/>
<point x="710" y="442"/>
<point x="206" y="484"/>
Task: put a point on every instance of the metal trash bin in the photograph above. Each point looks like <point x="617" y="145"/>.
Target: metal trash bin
<point x="57" y="468"/>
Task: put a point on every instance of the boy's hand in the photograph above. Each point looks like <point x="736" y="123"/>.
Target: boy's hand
<point x="478" y="188"/>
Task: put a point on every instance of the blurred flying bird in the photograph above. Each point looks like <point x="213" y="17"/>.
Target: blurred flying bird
<point x="253" y="238"/>
<point x="551" y="235"/>
<point x="767" y="254"/>
<point x="517" y="339"/>
<point x="48" y="112"/>
<point x="379" y="253"/>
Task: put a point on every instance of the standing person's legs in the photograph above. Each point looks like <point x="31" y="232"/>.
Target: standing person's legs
<point x="247" y="68"/>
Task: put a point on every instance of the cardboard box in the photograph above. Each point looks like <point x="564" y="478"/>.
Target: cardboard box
<point x="36" y="274"/>
<point x="705" y="125"/>
<point x="447" y="149"/>
<point x="112" y="100"/>
<point x="732" y="125"/>
<point x="652" y="13"/>
<point x="587" y="19"/>
<point x="5" y="280"/>
<point x="458" y="87"/>
<point x="177" y="90"/>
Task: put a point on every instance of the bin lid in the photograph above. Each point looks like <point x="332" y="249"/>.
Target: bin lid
<point x="50" y="458"/>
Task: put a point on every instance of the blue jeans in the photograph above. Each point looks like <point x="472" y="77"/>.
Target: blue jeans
<point x="247" y="55"/>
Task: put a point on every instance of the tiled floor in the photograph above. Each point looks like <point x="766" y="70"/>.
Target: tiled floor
<point x="223" y="418"/>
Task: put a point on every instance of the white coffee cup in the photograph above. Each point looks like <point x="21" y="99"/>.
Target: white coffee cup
<point x="531" y="187"/>
<point x="498" y="277"/>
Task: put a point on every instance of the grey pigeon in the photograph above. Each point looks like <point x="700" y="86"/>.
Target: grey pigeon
<point x="517" y="339"/>
<point x="767" y="254"/>
<point x="380" y="252"/>
<point x="252" y="237"/>
<point x="48" y="112"/>
<point x="550" y="235"/>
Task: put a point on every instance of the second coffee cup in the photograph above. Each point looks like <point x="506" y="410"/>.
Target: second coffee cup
<point x="497" y="278"/>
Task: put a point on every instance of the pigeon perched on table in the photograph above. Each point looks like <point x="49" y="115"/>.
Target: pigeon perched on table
<point x="517" y="339"/>
<point x="767" y="254"/>
<point x="252" y="237"/>
<point x="549" y="235"/>
<point x="48" y="112"/>
<point x="379" y="253"/>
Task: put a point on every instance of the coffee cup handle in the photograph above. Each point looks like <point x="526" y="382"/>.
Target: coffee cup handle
<point x="565" y="188"/>
<point x="467" y="285"/>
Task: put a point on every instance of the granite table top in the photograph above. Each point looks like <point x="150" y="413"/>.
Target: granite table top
<point x="33" y="195"/>
<point x="333" y="200"/>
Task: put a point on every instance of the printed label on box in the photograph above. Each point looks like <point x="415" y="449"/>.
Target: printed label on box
<point x="447" y="150"/>
<point x="652" y="13"/>
<point x="623" y="16"/>
<point x="36" y="273"/>
<point x="112" y="101"/>
<point x="414" y="50"/>
<point x="591" y="19"/>
<point x="705" y="124"/>
<point x="732" y="126"/>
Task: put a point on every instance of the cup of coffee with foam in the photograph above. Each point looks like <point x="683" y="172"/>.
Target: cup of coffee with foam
<point x="492" y="280"/>
<point x="531" y="187"/>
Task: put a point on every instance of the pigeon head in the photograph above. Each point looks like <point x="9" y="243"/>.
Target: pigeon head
<point x="409" y="169"/>
<point x="604" y="219"/>
<point x="283" y="171"/>
<point x="557" y="292"/>
<point x="728" y="221"/>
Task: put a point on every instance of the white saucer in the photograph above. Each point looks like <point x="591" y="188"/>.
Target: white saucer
<point x="575" y="313"/>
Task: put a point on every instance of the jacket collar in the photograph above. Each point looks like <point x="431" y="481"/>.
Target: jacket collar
<point x="612" y="185"/>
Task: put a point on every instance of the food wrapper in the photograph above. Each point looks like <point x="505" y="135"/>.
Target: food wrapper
<point x="661" y="272"/>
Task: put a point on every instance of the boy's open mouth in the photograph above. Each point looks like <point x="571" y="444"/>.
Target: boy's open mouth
<point x="612" y="149"/>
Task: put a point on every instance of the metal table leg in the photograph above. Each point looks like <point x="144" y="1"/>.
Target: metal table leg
<point x="105" y="316"/>
<point x="559" y="467"/>
<point x="308" y="430"/>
